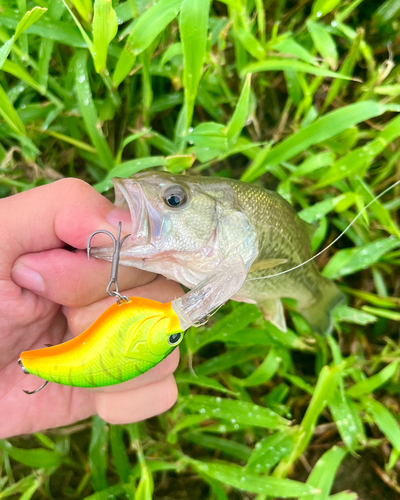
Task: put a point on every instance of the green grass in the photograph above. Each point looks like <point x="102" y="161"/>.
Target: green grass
<point x="299" y="96"/>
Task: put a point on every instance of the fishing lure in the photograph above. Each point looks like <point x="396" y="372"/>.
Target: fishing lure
<point x="131" y="336"/>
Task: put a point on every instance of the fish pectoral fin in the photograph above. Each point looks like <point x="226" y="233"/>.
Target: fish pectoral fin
<point x="138" y="332"/>
<point x="266" y="264"/>
<point x="273" y="312"/>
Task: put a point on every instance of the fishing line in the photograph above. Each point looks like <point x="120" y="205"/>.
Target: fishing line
<point x="333" y="242"/>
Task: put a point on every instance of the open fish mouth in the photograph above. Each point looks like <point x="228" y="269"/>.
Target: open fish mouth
<point x="138" y="218"/>
<point x="129" y="196"/>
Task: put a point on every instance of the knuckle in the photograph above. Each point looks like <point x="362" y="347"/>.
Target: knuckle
<point x="71" y="185"/>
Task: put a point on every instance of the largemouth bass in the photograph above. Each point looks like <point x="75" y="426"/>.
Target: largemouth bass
<point x="186" y="227"/>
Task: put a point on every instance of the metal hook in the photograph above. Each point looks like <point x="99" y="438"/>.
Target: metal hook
<point x="27" y="373"/>
<point x="36" y="390"/>
<point x="115" y="261"/>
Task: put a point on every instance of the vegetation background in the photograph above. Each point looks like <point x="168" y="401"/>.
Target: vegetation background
<point x="301" y="96"/>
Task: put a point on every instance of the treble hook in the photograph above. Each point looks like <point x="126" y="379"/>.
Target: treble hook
<point x="27" y="373"/>
<point x="115" y="261"/>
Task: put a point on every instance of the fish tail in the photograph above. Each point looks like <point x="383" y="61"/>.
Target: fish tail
<point x="318" y="314"/>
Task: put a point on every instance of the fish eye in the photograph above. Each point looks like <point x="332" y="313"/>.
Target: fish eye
<point x="174" y="338"/>
<point x="175" y="196"/>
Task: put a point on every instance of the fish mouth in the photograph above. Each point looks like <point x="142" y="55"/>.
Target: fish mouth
<point x="129" y="196"/>
<point x="134" y="211"/>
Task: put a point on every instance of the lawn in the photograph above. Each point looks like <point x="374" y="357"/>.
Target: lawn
<point x="301" y="97"/>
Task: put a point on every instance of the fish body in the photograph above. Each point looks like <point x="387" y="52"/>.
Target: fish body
<point x="125" y="341"/>
<point x="184" y="227"/>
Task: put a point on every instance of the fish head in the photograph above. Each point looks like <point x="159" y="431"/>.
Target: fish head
<point x="168" y="214"/>
<point x="174" y="225"/>
<point x="182" y="226"/>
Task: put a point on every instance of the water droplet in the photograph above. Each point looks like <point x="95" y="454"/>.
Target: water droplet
<point x="319" y="13"/>
<point x="81" y="78"/>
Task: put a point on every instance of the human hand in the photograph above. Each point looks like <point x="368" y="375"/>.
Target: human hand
<point x="49" y="294"/>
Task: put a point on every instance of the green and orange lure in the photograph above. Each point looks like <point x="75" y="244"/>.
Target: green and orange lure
<point x="125" y="341"/>
<point x="131" y="336"/>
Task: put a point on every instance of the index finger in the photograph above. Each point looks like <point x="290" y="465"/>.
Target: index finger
<point x="51" y="216"/>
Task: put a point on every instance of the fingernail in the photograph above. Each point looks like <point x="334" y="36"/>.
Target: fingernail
<point x="118" y="215"/>
<point x="26" y="277"/>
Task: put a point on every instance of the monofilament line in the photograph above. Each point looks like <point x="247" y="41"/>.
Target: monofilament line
<point x="334" y="241"/>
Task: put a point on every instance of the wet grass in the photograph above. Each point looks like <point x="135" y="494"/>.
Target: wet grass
<point x="301" y="97"/>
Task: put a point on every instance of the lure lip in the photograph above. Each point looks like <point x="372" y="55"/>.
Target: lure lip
<point x="22" y="366"/>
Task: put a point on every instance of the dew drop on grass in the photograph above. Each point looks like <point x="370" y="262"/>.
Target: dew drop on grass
<point x="81" y="78"/>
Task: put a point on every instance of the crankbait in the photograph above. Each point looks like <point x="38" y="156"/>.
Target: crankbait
<point x="131" y="336"/>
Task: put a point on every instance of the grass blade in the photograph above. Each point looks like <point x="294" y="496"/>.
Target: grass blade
<point x="324" y="128"/>
<point x="10" y="116"/>
<point x="384" y="420"/>
<point x="29" y="18"/>
<point x="5" y="50"/>
<point x="236" y="476"/>
<point x="228" y="448"/>
<point x="372" y="383"/>
<point x="322" y="7"/>
<point x="292" y="65"/>
<point x="324" y="43"/>
<point x="144" y="31"/>
<point x="118" y="450"/>
<point x="323" y="474"/>
<point x="105" y="28"/>
<point x="239" y="412"/>
<point x="39" y="458"/>
<point x="241" y="114"/>
<point x="328" y="381"/>
<point x="98" y="453"/>
<point x="89" y="112"/>
<point x="193" y="27"/>
<point x="352" y="260"/>
<point x="129" y="168"/>
<point x="270" y="450"/>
